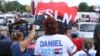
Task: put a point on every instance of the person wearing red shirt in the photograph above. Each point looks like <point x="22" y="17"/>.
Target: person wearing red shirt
<point x="77" y="41"/>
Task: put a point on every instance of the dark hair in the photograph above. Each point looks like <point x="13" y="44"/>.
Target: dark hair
<point x="83" y="15"/>
<point x="17" y="35"/>
<point x="74" y="35"/>
<point x="88" y="43"/>
<point x="10" y="21"/>
<point x="96" y="32"/>
<point x="62" y="27"/>
<point x="50" y="26"/>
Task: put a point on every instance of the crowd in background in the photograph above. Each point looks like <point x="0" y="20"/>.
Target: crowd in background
<point x="88" y="18"/>
<point x="86" y="47"/>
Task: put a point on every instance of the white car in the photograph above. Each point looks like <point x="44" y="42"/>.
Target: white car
<point x="10" y="17"/>
<point x="86" y="29"/>
<point x="2" y="19"/>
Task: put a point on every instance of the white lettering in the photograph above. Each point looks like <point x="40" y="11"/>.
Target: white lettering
<point x="41" y="12"/>
<point x="49" y="12"/>
<point x="55" y="14"/>
<point x="66" y="18"/>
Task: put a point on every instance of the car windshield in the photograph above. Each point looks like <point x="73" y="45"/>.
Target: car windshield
<point x="9" y="17"/>
<point x="27" y="16"/>
<point x="87" y="27"/>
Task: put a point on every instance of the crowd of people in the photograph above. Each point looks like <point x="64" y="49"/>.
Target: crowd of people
<point x="58" y="40"/>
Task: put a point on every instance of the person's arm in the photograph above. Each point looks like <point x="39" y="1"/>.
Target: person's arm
<point x="37" y="47"/>
<point x="25" y="42"/>
<point x="70" y="46"/>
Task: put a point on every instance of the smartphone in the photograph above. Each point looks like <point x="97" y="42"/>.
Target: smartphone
<point x="37" y="27"/>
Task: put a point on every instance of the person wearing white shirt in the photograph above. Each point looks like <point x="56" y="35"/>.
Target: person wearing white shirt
<point x="52" y="43"/>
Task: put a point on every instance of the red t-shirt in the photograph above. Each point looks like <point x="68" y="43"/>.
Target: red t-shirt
<point x="78" y="42"/>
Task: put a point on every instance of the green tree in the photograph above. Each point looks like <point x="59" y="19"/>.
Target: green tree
<point x="83" y="7"/>
<point x="90" y="9"/>
<point x="13" y="6"/>
<point x="27" y="8"/>
<point x="1" y="4"/>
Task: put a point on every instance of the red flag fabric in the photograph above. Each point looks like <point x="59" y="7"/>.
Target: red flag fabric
<point x="59" y="8"/>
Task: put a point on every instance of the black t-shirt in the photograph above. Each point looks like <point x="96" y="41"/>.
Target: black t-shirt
<point x="97" y="48"/>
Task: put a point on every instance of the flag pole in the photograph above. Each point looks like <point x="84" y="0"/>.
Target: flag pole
<point x="36" y="9"/>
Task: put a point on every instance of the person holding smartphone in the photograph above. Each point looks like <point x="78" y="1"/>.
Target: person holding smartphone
<point x="19" y="45"/>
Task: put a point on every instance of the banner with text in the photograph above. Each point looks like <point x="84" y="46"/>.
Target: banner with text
<point x="55" y="9"/>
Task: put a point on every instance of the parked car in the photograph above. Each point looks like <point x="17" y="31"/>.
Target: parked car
<point x="86" y="29"/>
<point x="28" y="17"/>
<point x="5" y="44"/>
<point x="11" y="17"/>
<point x="2" y="19"/>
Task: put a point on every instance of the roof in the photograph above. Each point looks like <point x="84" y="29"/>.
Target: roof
<point x="9" y="15"/>
<point x="87" y="23"/>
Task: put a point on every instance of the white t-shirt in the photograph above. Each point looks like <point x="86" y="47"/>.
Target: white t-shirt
<point x="83" y="53"/>
<point x="54" y="45"/>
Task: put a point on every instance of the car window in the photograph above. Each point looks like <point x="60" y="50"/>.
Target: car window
<point x="87" y="27"/>
<point x="1" y="24"/>
<point x="9" y="17"/>
<point x="1" y="17"/>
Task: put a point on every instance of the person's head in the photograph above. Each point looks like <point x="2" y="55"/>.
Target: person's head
<point x="83" y="16"/>
<point x="74" y="34"/>
<point x="9" y="21"/>
<point x="99" y="20"/>
<point x="50" y="26"/>
<point x="98" y="36"/>
<point x="68" y="33"/>
<point x="97" y="33"/>
<point x="62" y="27"/>
<point x="17" y="36"/>
<point x="30" y="28"/>
<point x="74" y="24"/>
<point x="88" y="44"/>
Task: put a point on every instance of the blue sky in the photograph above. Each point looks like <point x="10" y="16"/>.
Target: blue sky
<point x="70" y="2"/>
